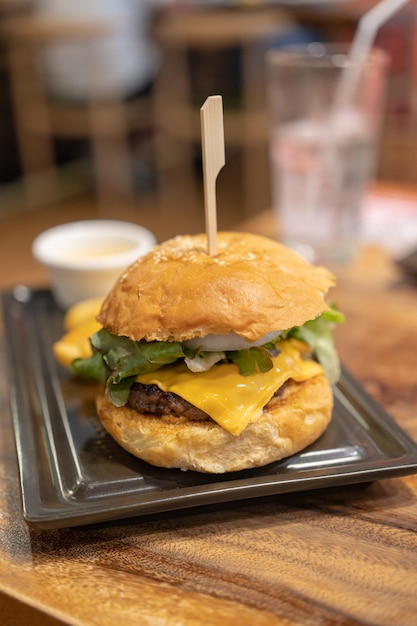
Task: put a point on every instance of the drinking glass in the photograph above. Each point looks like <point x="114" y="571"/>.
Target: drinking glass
<point x="322" y="149"/>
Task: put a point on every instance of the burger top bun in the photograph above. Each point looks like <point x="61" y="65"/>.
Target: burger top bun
<point x="252" y="286"/>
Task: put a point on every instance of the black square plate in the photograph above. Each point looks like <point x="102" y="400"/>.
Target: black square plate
<point x="73" y="473"/>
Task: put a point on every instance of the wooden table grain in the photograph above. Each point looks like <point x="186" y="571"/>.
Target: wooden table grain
<point x="340" y="556"/>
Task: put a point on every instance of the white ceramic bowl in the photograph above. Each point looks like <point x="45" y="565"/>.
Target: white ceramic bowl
<point x="85" y="258"/>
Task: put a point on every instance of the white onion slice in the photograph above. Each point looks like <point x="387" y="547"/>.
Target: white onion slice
<point x="199" y="364"/>
<point x="232" y="341"/>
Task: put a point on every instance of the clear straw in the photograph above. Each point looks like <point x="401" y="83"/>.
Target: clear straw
<point x="368" y="26"/>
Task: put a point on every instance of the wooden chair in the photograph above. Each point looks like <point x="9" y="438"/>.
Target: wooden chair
<point x="39" y="118"/>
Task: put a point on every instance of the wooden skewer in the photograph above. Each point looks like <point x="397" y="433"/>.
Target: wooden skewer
<point x="213" y="152"/>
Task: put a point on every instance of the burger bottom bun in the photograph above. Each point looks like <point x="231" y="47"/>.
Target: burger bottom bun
<point x="290" y="422"/>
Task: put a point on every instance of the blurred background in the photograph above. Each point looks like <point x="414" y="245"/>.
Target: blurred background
<point x="100" y="99"/>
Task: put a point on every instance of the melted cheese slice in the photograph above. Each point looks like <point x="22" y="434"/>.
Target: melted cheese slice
<point x="227" y="397"/>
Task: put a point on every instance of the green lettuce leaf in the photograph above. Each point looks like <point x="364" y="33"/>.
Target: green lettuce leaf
<point x="124" y="358"/>
<point x="92" y="368"/>
<point x="117" y="361"/>
<point x="250" y="360"/>
<point x="127" y="358"/>
<point x="118" y="393"/>
<point x="318" y="334"/>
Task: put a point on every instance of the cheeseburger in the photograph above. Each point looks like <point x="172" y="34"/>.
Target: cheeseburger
<point x="215" y="363"/>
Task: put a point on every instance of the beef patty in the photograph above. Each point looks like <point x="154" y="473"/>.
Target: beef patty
<point x="150" y="399"/>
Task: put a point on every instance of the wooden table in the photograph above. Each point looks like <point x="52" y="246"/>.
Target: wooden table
<point x="338" y="556"/>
